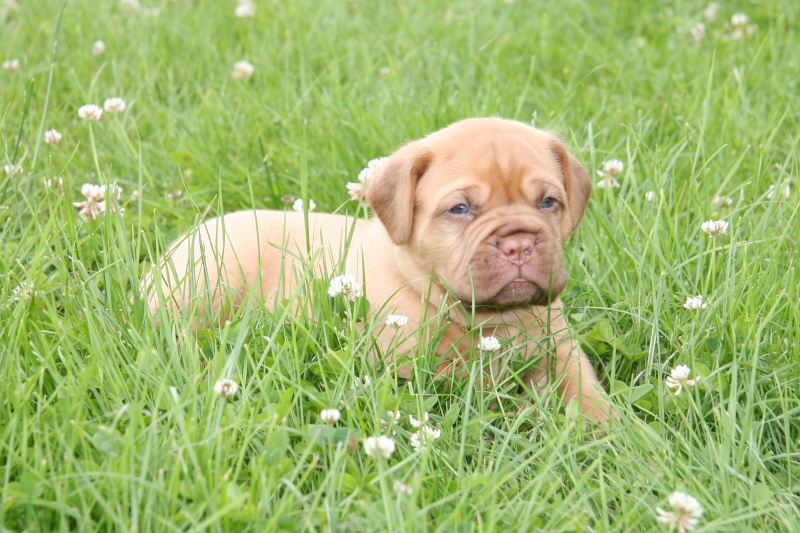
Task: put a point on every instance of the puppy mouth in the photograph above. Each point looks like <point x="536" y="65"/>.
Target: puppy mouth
<point x="520" y="292"/>
<point x="520" y="284"/>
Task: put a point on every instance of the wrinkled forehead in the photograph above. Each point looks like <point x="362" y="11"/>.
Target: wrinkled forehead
<point x="510" y="165"/>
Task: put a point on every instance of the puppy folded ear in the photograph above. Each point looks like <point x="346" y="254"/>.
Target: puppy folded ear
<point x="391" y="191"/>
<point x="577" y="184"/>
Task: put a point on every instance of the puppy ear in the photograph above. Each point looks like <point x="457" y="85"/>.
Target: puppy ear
<point x="390" y="192"/>
<point x="577" y="184"/>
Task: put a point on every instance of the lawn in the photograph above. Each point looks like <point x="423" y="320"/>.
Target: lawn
<point x="109" y="419"/>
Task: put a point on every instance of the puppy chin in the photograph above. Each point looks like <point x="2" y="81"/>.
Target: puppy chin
<point x="517" y="293"/>
<point x="520" y="293"/>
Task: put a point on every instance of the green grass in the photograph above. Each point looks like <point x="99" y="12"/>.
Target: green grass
<point x="93" y="437"/>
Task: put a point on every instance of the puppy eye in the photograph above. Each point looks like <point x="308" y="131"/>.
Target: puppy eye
<point x="460" y="209"/>
<point x="548" y="202"/>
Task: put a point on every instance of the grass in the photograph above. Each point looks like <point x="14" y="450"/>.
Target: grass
<point x="108" y="419"/>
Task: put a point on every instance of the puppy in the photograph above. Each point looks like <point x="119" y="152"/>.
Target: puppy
<point x="471" y="219"/>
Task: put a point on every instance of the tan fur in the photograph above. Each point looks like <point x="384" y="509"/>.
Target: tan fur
<point x="498" y="268"/>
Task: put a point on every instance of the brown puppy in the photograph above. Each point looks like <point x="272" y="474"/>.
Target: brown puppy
<point x="471" y="218"/>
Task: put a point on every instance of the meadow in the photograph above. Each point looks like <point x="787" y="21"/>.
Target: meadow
<point x="109" y="417"/>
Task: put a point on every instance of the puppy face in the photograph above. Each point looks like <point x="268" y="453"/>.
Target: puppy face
<point x="485" y="204"/>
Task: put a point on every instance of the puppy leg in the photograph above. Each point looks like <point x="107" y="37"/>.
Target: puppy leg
<point x="577" y="379"/>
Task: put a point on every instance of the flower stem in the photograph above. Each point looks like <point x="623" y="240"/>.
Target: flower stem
<point x="94" y="154"/>
<point x="387" y="505"/>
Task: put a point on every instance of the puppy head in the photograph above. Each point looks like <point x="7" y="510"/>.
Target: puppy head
<point x="486" y="204"/>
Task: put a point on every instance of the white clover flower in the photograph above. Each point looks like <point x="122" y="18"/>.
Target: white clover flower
<point x="424" y="437"/>
<point x="739" y="20"/>
<point x="697" y="32"/>
<point x="679" y="378"/>
<point x="695" y="303"/>
<point x="114" y="191"/>
<point x="722" y="201"/>
<point x="611" y="167"/>
<point x="11" y="65"/>
<point x="380" y="447"/>
<point x="52" y="137"/>
<point x="93" y="192"/>
<point x="419" y="423"/>
<point x="243" y="70"/>
<point x="711" y="12"/>
<point x="130" y="5"/>
<point x="384" y="71"/>
<point x="357" y="383"/>
<point x="57" y="184"/>
<point x="330" y="416"/>
<point x="298" y="205"/>
<point x="345" y="285"/>
<point x="175" y="194"/>
<point x="686" y="512"/>
<point x="489" y="344"/>
<point x="355" y="190"/>
<point x="650" y="196"/>
<point x="393" y="416"/>
<point x="245" y="9"/>
<point x="96" y="199"/>
<point x="401" y="489"/>
<point x="114" y="105"/>
<point x="98" y="48"/>
<point x="372" y="167"/>
<point x="741" y="26"/>
<point x="13" y="170"/>
<point x="8" y="7"/>
<point x="715" y="228"/>
<point x="23" y="291"/>
<point x="90" y="112"/>
<point x="396" y="321"/>
<point x="608" y="181"/>
<point x="226" y="387"/>
<point x="785" y="192"/>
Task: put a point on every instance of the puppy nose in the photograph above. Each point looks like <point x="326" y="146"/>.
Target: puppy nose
<point x="517" y="248"/>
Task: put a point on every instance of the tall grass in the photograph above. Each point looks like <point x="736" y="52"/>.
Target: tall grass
<point x="107" y="415"/>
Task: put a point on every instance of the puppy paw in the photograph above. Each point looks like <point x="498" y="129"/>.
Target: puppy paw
<point x="598" y="410"/>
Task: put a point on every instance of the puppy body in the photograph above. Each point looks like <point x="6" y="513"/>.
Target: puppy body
<point x="471" y="218"/>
